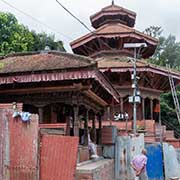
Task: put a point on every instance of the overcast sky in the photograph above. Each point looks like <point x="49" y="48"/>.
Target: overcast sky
<point x="164" y="13"/>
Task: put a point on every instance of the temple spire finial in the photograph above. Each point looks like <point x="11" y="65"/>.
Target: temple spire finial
<point x="112" y="2"/>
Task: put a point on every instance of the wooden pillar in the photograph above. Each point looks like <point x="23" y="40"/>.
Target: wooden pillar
<point x="86" y="127"/>
<point x="111" y="113"/>
<point x="151" y="108"/>
<point x="121" y="105"/>
<point x="143" y="112"/>
<point x="53" y="115"/>
<point x="40" y="111"/>
<point x="100" y="129"/>
<point x="108" y="113"/>
<point x="76" y="120"/>
<point x="94" y="127"/>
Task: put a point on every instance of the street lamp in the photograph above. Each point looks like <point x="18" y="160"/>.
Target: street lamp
<point x="135" y="98"/>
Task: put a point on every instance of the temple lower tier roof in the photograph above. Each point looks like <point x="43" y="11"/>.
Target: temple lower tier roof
<point x="43" y="61"/>
<point x="120" y="68"/>
<point x="18" y="72"/>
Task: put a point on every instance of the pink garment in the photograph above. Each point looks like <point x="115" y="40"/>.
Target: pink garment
<point x="139" y="162"/>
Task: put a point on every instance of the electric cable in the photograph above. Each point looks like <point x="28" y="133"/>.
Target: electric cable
<point x="83" y="24"/>
<point x="33" y="18"/>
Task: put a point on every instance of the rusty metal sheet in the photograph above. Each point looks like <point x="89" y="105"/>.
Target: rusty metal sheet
<point x="23" y="149"/>
<point x="109" y="134"/>
<point x="58" y="157"/>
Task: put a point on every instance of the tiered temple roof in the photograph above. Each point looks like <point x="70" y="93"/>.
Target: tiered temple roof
<point x="113" y="27"/>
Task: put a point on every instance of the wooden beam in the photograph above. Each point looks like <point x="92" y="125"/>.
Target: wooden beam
<point x="158" y="80"/>
<point x="44" y="89"/>
<point x="96" y="98"/>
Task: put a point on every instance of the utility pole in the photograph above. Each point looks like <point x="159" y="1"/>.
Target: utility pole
<point x="136" y="94"/>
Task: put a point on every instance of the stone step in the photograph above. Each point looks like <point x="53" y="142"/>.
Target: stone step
<point x="89" y="161"/>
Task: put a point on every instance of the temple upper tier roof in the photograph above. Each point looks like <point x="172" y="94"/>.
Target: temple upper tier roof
<point x="113" y="13"/>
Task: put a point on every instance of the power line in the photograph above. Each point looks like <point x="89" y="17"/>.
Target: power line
<point x="73" y="15"/>
<point x="33" y="18"/>
<point x="83" y="24"/>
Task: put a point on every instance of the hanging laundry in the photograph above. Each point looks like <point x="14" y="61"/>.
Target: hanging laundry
<point x="25" y="116"/>
<point x="15" y="114"/>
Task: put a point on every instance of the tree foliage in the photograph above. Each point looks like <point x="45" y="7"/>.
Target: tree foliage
<point x="168" y="49"/>
<point x="153" y="31"/>
<point x="16" y="37"/>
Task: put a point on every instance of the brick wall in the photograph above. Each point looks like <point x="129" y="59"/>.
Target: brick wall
<point x="83" y="153"/>
<point x="174" y="142"/>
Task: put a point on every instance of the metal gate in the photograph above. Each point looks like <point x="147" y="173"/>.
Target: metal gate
<point x="155" y="161"/>
<point x="58" y="156"/>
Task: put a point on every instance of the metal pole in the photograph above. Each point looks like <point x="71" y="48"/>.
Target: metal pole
<point x="134" y="93"/>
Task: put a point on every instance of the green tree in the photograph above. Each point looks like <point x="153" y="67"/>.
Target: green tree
<point x="42" y="40"/>
<point x="167" y="51"/>
<point x="154" y="31"/>
<point x="168" y="113"/>
<point x="16" y="37"/>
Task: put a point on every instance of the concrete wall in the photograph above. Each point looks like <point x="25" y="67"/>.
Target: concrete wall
<point x="109" y="151"/>
<point x="98" y="170"/>
<point x="126" y="148"/>
<point x="171" y="165"/>
<point x="4" y="146"/>
<point x="178" y="155"/>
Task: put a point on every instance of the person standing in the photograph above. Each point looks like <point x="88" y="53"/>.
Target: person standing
<point x="139" y="165"/>
<point x="126" y="117"/>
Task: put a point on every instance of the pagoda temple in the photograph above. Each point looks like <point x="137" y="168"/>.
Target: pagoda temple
<point x="114" y="26"/>
<point x="77" y="89"/>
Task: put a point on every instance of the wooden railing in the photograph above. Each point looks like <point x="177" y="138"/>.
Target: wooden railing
<point x="57" y="126"/>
